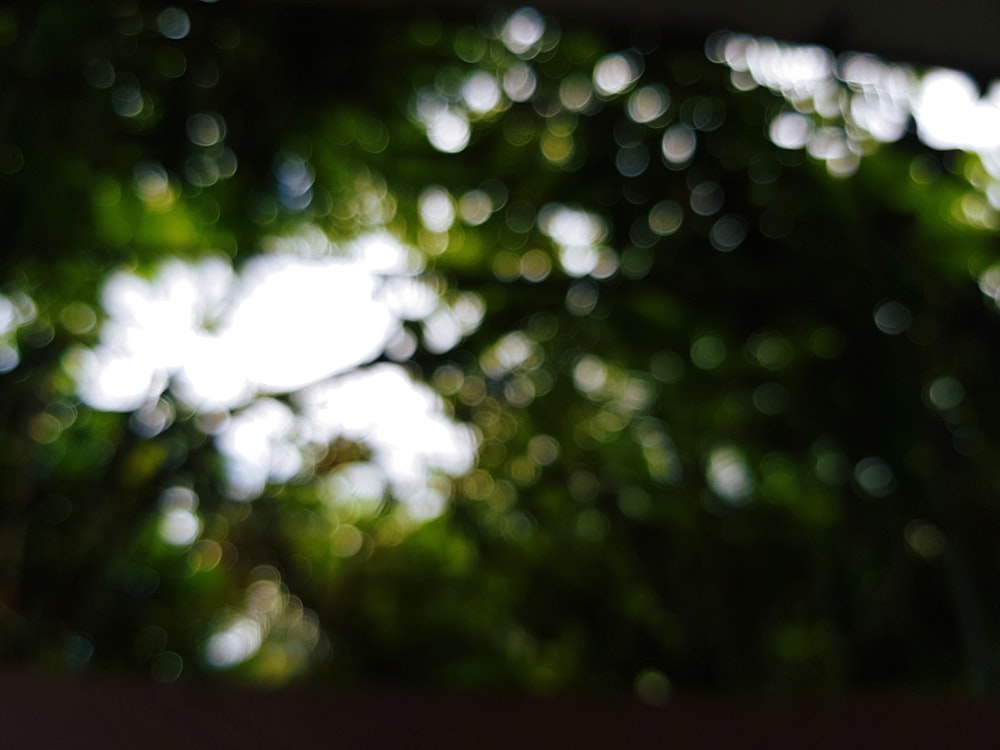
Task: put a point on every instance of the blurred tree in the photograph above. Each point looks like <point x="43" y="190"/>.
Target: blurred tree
<point x="731" y="399"/>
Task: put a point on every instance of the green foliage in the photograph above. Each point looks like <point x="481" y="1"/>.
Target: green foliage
<point x="700" y="456"/>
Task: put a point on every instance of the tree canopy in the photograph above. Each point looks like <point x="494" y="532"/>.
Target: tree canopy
<point x="489" y="353"/>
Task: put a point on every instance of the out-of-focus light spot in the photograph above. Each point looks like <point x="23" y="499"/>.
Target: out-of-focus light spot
<point x="771" y="398"/>
<point x="607" y="264"/>
<point x="666" y="217"/>
<point x="205" y="555"/>
<point x="77" y="317"/>
<point x="15" y="311"/>
<point x="925" y="539"/>
<point x="945" y="393"/>
<point x="78" y="649"/>
<point x="201" y="171"/>
<point x="523" y="31"/>
<point x="518" y="129"/>
<point x="475" y="207"/>
<point x="166" y="667"/>
<point x="179" y="498"/>
<point x="357" y="481"/>
<point x="519" y="82"/>
<point x="581" y="298"/>
<point x="409" y="298"/>
<point x="976" y="210"/>
<point x="113" y="382"/>
<point x="478" y="485"/>
<point x="779" y="66"/>
<point x="346" y="541"/>
<point x="506" y="265"/>
<point x="127" y="101"/>
<point x="437" y="209"/>
<point x="571" y="227"/>
<point x="989" y="282"/>
<point x="254" y="444"/>
<point x="170" y="62"/>
<point x="237" y="643"/>
<point x="875" y="101"/>
<point x="402" y="346"/>
<point x="519" y="391"/>
<point x="728" y="476"/>
<point x="535" y="265"/>
<point x="44" y="428"/>
<point x="667" y="367"/>
<point x="764" y="168"/>
<point x="279" y="294"/>
<point x="225" y="161"/>
<point x="448" y="379"/>
<point x="950" y="114"/>
<point x="441" y="331"/>
<point x="653" y="688"/>
<point x="728" y="233"/>
<point x="205" y="129"/>
<point x="831" y="466"/>
<point x="827" y="143"/>
<point x="480" y="92"/>
<point x="508" y="353"/>
<point x="222" y="339"/>
<point x="543" y="449"/>
<point x="708" y="352"/>
<point x="877" y="115"/>
<point x="590" y="374"/>
<point x="152" y="418"/>
<point x="205" y="75"/>
<point x="575" y="92"/>
<point x="295" y="181"/>
<point x="100" y="73"/>
<point x="578" y="260"/>
<point x="10" y="357"/>
<point x="874" y="477"/>
<point x="648" y="103"/>
<point x="520" y="216"/>
<point x="516" y="526"/>
<point x="179" y="524"/>
<point x="401" y="421"/>
<point x="616" y="73"/>
<point x="556" y="149"/>
<point x="448" y="131"/>
<point x="790" y="130"/>
<point x="634" y="502"/>
<point x="152" y="184"/>
<point x="173" y="23"/>
<point x="632" y="161"/>
<point x="265" y="338"/>
<point x="707" y="114"/>
<point x="707" y="198"/>
<point x="770" y="349"/>
<point x="678" y="145"/>
<point x="470" y="45"/>
<point x="892" y="317"/>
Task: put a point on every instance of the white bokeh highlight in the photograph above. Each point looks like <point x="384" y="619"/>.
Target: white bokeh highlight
<point x="301" y="321"/>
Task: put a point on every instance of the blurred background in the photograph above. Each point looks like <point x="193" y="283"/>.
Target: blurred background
<point x="494" y="350"/>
